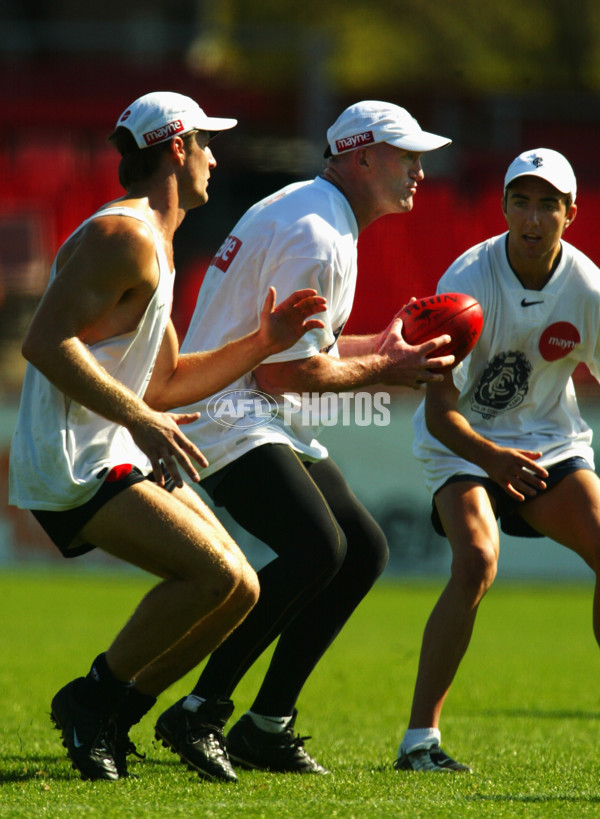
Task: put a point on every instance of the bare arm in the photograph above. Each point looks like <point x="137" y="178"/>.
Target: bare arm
<point x="102" y="287"/>
<point x="178" y="380"/>
<point x="352" y="346"/>
<point x="515" y="470"/>
<point x="394" y="363"/>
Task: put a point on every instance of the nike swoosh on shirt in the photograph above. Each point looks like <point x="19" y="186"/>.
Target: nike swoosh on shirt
<point x="76" y="741"/>
<point x="525" y="303"/>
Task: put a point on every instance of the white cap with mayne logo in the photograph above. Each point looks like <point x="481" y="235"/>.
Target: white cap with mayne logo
<point x="160" y="115"/>
<point x="548" y="165"/>
<point x="371" y="121"/>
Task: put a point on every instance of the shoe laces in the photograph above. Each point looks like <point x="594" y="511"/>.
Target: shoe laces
<point x="121" y="742"/>
<point x="293" y="742"/>
<point x="107" y="736"/>
<point x="199" y="729"/>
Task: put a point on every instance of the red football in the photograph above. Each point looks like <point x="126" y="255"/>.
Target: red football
<point x="455" y="314"/>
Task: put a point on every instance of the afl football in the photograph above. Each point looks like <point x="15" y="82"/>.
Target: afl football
<point x="455" y="314"/>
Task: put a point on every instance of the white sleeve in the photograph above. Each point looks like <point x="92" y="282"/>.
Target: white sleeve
<point x="298" y="274"/>
<point x="594" y="364"/>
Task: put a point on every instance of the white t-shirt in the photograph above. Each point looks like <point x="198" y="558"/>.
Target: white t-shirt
<point x="61" y="450"/>
<point x="304" y="235"/>
<point x="515" y="386"/>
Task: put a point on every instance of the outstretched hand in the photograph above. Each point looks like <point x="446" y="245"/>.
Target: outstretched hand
<point x="282" y="326"/>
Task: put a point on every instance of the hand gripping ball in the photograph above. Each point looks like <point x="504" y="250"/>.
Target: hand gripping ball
<point x="455" y="314"/>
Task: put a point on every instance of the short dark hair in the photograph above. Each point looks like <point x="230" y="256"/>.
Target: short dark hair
<point x="139" y="164"/>
<point x="567" y="197"/>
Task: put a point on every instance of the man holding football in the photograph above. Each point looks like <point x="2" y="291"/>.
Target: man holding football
<point x="275" y="479"/>
<point x="501" y="436"/>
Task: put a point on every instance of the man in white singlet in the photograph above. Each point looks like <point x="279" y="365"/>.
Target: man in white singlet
<point x="97" y="466"/>
<point x="270" y="471"/>
<point x="501" y="437"/>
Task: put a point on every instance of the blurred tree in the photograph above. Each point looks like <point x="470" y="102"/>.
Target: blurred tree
<point x="461" y="45"/>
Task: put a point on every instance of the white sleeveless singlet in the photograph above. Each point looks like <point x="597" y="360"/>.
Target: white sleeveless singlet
<point x="61" y="451"/>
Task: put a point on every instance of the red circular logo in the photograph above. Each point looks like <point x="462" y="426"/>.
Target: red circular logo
<point x="558" y="340"/>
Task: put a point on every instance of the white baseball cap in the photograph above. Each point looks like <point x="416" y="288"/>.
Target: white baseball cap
<point x="548" y="165"/>
<point x="371" y="121"/>
<point x="161" y="115"/>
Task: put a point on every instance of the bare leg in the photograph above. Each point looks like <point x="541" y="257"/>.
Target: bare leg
<point x="470" y="524"/>
<point x="569" y="513"/>
<point x="208" y="588"/>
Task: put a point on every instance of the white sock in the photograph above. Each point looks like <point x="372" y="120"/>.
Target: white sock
<point x="272" y="725"/>
<point x="417" y="739"/>
<point x="192" y="702"/>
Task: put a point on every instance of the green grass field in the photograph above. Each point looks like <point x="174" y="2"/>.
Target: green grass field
<point x="524" y="711"/>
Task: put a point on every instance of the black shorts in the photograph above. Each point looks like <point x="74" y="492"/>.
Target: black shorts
<point x="63" y="526"/>
<point x="507" y="509"/>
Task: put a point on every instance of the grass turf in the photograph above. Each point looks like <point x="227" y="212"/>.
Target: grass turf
<point x="523" y="711"/>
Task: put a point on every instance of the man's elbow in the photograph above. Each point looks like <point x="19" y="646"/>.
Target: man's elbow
<point x="156" y="399"/>
<point x="266" y="380"/>
<point x="33" y="351"/>
<point x="277" y="379"/>
<point x="303" y="375"/>
<point x="26" y="350"/>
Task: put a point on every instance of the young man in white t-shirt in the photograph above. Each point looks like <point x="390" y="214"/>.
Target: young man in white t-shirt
<point x="268" y="469"/>
<point x="501" y="436"/>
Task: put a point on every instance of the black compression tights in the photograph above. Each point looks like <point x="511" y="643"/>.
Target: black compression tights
<point x="329" y="551"/>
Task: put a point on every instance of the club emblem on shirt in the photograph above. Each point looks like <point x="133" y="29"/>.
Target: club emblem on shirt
<point x="503" y="385"/>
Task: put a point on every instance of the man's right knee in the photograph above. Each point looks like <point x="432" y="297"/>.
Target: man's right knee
<point x="229" y="575"/>
<point x="247" y="586"/>
<point x="475" y="569"/>
<point x="247" y="590"/>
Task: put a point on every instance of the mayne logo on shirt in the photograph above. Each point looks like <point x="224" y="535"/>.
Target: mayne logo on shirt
<point x="558" y="340"/>
<point x="354" y="141"/>
<point x="227" y="253"/>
